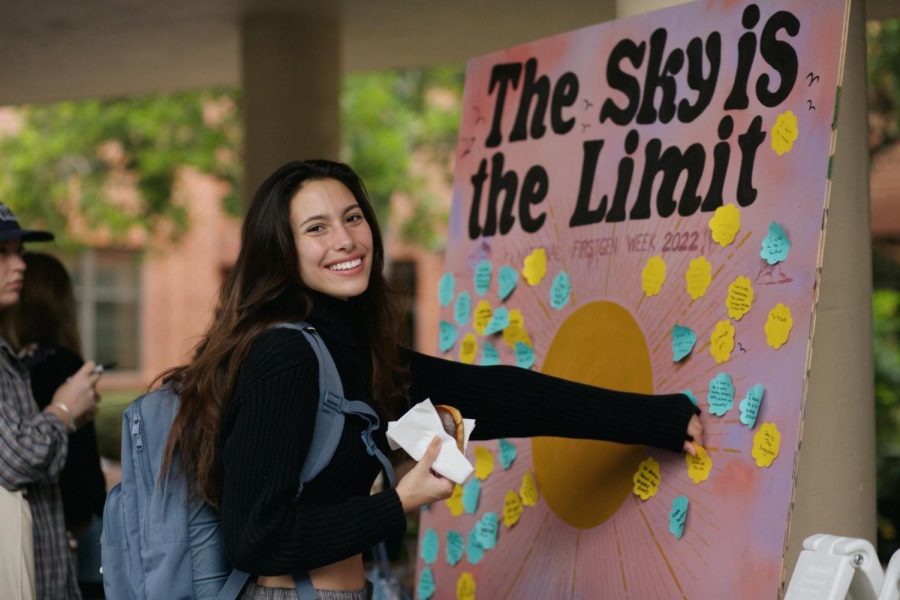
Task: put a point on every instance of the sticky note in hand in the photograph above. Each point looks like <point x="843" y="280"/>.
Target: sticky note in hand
<point x="698" y="466"/>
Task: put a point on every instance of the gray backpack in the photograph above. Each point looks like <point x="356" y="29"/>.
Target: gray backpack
<point x="157" y="542"/>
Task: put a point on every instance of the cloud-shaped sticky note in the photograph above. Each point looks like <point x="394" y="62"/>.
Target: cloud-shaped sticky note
<point x="724" y="224"/>
<point x="528" y="490"/>
<point x="646" y="480"/>
<point x="535" y="266"/>
<point x="425" y="589"/>
<point x="653" y="275"/>
<point x="489" y="355"/>
<point x="445" y="288"/>
<point x="430" y="546"/>
<point x="750" y="405"/>
<point x="483" y="314"/>
<point x="468" y="348"/>
<point x="512" y="508"/>
<point x="697" y="277"/>
<point x="766" y="443"/>
<point x="678" y="516"/>
<point x="721" y="394"/>
<point x="683" y="340"/>
<point x="462" y="308"/>
<point x="482" y="277"/>
<point x="465" y="587"/>
<point x="721" y="342"/>
<point x="508" y="453"/>
<point x="454" y="502"/>
<point x="484" y="463"/>
<point x="691" y="395"/>
<point x="524" y="355"/>
<point x="486" y="530"/>
<point x="698" y="466"/>
<point x="740" y="297"/>
<point x="499" y="321"/>
<point x="471" y="495"/>
<point x="507" y="278"/>
<point x="561" y="290"/>
<point x="455" y="547"/>
<point x="515" y="331"/>
<point x="784" y="132"/>
<point x="474" y="549"/>
<point x="446" y="336"/>
<point x="778" y="326"/>
<point x="776" y="245"/>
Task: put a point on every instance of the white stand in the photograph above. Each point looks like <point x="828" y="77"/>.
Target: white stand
<point x="840" y="568"/>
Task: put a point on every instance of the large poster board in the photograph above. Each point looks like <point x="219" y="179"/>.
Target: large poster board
<point x="641" y="205"/>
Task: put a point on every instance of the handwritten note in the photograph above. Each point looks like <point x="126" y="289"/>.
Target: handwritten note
<point x="446" y="336"/>
<point x="482" y="277"/>
<point x="474" y="549"/>
<point x="561" y="290"/>
<point x="721" y="394"/>
<point x="486" y="530"/>
<point x="653" y="275"/>
<point x="507" y="278"/>
<point x="698" y="277"/>
<point x="535" y="266"/>
<point x="646" y="480"/>
<point x="499" y="321"/>
<point x="515" y="331"/>
<point x="425" y="589"/>
<point x="725" y="224"/>
<point x="721" y="342"/>
<point x="750" y="405"/>
<point x="462" y="308"/>
<point x="465" y="587"/>
<point x="468" y="348"/>
<point x="740" y="297"/>
<point x="683" y="340"/>
<point x="454" y="502"/>
<point x="524" y="355"/>
<point x="445" y="288"/>
<point x="489" y="355"/>
<point x="483" y="314"/>
<point x="778" y="326"/>
<point x="528" y="491"/>
<point x="700" y="466"/>
<point x="512" y="508"/>
<point x="455" y="547"/>
<point x="430" y="546"/>
<point x="678" y="516"/>
<point x="766" y="443"/>
<point x="784" y="132"/>
<point x="776" y="245"/>
<point x="471" y="495"/>
<point x="484" y="463"/>
<point x="508" y="453"/>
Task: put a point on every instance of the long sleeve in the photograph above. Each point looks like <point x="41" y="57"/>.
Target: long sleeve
<point x="507" y="401"/>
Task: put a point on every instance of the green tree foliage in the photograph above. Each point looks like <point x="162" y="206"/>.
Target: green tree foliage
<point x="883" y="40"/>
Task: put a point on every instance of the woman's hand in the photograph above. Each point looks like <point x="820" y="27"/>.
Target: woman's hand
<point x="421" y="485"/>
<point x="694" y="435"/>
<point x="79" y="397"/>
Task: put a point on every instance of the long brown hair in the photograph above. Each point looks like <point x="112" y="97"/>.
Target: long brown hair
<point x="263" y="288"/>
<point x="46" y="309"/>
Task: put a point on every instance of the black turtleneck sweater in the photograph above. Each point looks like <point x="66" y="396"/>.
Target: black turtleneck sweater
<point x="267" y="431"/>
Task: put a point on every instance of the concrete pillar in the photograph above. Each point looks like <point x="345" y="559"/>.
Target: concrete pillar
<point x="291" y="76"/>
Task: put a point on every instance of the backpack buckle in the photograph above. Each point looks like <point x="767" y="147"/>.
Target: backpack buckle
<point x="368" y="442"/>
<point x="333" y="402"/>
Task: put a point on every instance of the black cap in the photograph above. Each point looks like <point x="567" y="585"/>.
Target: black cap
<point x="10" y="230"/>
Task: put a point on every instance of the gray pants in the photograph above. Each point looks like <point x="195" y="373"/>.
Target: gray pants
<point x="255" y="592"/>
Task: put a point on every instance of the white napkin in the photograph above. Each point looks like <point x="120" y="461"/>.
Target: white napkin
<point x="415" y="430"/>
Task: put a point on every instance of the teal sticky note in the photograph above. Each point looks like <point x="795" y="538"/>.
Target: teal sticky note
<point x="445" y="288"/>
<point x="430" y="545"/>
<point x="455" y="546"/>
<point x="471" y="494"/>
<point x="487" y="529"/>
<point x="750" y="405"/>
<point x="474" y="549"/>
<point x="446" y="336"/>
<point x="776" y="245"/>
<point x="462" y="310"/>
<point x="507" y="278"/>
<point x="691" y="395"/>
<point x="524" y="355"/>
<point x="683" y="340"/>
<point x="425" y="589"/>
<point x="489" y="355"/>
<point x="508" y="453"/>
<point x="721" y="394"/>
<point x="482" y="277"/>
<point x="678" y="516"/>
<point x="499" y="321"/>
<point x="561" y="290"/>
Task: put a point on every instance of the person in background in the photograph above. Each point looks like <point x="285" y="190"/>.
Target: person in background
<point x="46" y="327"/>
<point x="33" y="442"/>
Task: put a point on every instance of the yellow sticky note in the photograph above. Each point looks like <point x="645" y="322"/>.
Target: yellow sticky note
<point x="778" y="326"/>
<point x="528" y="490"/>
<point x="515" y="330"/>
<point x="784" y="132"/>
<point x="535" y="266"/>
<point x="697" y="277"/>
<point x="455" y="501"/>
<point x="721" y="342"/>
<point x="646" y="480"/>
<point x="465" y="587"/>
<point x="724" y="224"/>
<point x="740" y="297"/>
<point x="468" y="348"/>
<point x="484" y="463"/>
<point x="766" y="443"/>
<point x="653" y="275"/>
<point x="698" y="466"/>
<point x="512" y="508"/>
<point x="483" y="314"/>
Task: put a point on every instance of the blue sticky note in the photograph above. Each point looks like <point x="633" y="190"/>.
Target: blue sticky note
<point x="486" y="530"/>
<point x="561" y="290"/>
<point x="489" y="355"/>
<point x="524" y="355"/>
<point x="430" y="545"/>
<point x="482" y="277"/>
<point x="462" y="310"/>
<point x="474" y="549"/>
<point x="508" y="453"/>
<point x="425" y="589"/>
<point x="678" y="516"/>
<point x="471" y="494"/>
<point x="445" y="288"/>
<point x="721" y="394"/>
<point x="507" y="278"/>
<point x="447" y="336"/>
<point x="455" y="547"/>
<point x="683" y="340"/>
<point x="750" y="405"/>
<point x="776" y="245"/>
<point x="691" y="395"/>
<point x="499" y="321"/>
